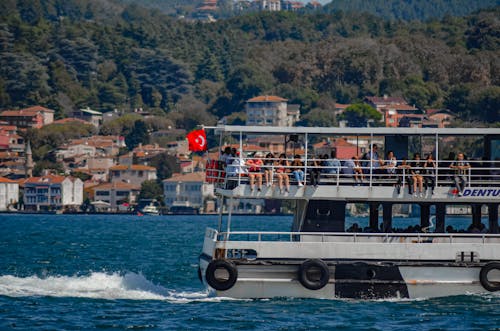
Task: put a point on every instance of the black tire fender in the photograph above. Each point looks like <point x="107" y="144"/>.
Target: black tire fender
<point x="306" y="267"/>
<point x="483" y="277"/>
<point x="218" y="283"/>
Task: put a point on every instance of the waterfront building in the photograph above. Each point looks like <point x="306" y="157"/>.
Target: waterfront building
<point x="9" y="193"/>
<point x="134" y="174"/>
<point x="52" y="192"/>
<point x="189" y="190"/>
<point x="118" y="195"/>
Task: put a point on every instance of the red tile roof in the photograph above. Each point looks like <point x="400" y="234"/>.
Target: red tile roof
<point x="190" y="177"/>
<point x="115" y="185"/>
<point x="267" y="98"/>
<point x="132" y="167"/>
<point x="6" y="180"/>
<point x="52" y="179"/>
<point x="70" y="120"/>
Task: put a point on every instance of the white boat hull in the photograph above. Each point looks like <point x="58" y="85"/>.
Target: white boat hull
<point x="415" y="282"/>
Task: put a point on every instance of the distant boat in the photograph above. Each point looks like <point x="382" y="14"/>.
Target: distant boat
<point x="150" y="209"/>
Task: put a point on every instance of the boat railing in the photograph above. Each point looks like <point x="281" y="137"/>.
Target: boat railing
<point x="355" y="172"/>
<point x="443" y="238"/>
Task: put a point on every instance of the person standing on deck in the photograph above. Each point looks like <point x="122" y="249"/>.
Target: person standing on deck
<point x="461" y="168"/>
<point x="374" y="162"/>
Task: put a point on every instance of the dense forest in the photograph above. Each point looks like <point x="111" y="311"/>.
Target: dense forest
<point x="407" y="10"/>
<point x="105" y="54"/>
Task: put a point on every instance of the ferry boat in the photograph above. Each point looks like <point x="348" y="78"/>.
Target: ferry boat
<point x="317" y="258"/>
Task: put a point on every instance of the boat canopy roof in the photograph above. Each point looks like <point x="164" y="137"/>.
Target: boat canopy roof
<point x="376" y="131"/>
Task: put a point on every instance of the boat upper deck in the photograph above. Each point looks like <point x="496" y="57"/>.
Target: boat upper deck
<point x="356" y="179"/>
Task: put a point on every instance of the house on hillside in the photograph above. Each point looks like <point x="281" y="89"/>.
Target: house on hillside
<point x="270" y="110"/>
<point x="443" y="117"/>
<point x="32" y="117"/>
<point x="134" y="174"/>
<point x="52" y="192"/>
<point x="86" y="114"/>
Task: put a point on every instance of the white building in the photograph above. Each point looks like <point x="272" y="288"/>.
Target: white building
<point x="118" y="195"/>
<point x="52" y="192"/>
<point x="92" y="116"/>
<point x="134" y="174"/>
<point x="187" y="190"/>
<point x="9" y="193"/>
<point x="270" y="110"/>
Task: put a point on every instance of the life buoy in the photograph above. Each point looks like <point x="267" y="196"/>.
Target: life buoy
<point x="309" y="271"/>
<point x="216" y="281"/>
<point x="483" y="277"/>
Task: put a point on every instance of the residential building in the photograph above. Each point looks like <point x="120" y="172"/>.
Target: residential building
<point x="269" y="5"/>
<point x="393" y="115"/>
<point x="32" y="117"/>
<point x="52" y="192"/>
<point x="92" y="116"/>
<point x="120" y="196"/>
<point x="270" y="110"/>
<point x="443" y="117"/>
<point x="9" y="193"/>
<point x="97" y="167"/>
<point x="134" y="174"/>
<point x="385" y="101"/>
<point x="188" y="190"/>
<point x="104" y="145"/>
<point x="343" y="148"/>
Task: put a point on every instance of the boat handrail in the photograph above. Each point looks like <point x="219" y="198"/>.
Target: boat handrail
<point x="356" y="236"/>
<point x="480" y="173"/>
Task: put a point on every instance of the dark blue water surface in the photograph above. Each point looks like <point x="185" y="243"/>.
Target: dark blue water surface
<point x="128" y="272"/>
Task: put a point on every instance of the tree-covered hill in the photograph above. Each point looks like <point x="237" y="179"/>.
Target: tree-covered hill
<point x="409" y="10"/>
<point x="104" y="54"/>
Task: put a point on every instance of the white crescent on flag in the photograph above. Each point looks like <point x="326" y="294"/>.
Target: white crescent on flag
<point x="201" y="140"/>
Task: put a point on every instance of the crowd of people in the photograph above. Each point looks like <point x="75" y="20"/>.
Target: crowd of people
<point x="418" y="174"/>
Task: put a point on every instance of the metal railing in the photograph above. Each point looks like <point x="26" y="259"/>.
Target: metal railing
<point x="260" y="236"/>
<point x="480" y="173"/>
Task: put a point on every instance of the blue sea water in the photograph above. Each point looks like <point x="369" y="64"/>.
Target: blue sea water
<point x="86" y="272"/>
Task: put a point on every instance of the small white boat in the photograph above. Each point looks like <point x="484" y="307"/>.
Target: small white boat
<point x="151" y="210"/>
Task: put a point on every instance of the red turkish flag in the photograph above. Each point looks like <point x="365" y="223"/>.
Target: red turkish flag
<point x="197" y="140"/>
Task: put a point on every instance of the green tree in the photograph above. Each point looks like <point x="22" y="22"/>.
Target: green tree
<point x="360" y="114"/>
<point x="151" y="189"/>
<point x="138" y="135"/>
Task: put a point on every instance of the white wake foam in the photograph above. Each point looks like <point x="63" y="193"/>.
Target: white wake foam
<point x="97" y="285"/>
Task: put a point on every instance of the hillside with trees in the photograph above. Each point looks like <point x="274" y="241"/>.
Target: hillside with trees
<point x="108" y="55"/>
<point x="410" y="10"/>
